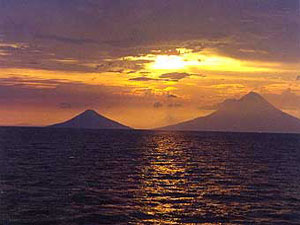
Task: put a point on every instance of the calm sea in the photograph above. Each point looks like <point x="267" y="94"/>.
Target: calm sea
<point x="88" y="177"/>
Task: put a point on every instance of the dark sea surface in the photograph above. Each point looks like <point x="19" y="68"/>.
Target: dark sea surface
<point x="64" y="176"/>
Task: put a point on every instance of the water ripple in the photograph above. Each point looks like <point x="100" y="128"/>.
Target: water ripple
<point x="90" y="177"/>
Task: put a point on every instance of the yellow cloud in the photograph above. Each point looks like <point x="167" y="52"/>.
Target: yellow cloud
<point x="207" y="60"/>
<point x="225" y="86"/>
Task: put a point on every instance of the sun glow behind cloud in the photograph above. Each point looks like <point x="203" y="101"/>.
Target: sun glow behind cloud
<point x="166" y="62"/>
<point x="187" y="59"/>
<point x="207" y="60"/>
<point x="176" y="82"/>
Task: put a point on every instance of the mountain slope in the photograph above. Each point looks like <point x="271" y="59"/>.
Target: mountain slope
<point x="90" y="120"/>
<point x="251" y="113"/>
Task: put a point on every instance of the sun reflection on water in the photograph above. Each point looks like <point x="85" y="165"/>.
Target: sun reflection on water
<point x="170" y="189"/>
<point x="152" y="178"/>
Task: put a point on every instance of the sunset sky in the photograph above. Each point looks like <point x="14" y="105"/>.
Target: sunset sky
<point x="144" y="63"/>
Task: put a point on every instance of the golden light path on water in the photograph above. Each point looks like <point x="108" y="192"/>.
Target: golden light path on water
<point x="171" y="187"/>
<point x="145" y="177"/>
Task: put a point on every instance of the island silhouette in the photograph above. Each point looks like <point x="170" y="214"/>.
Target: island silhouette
<point x="90" y="119"/>
<point x="251" y="113"/>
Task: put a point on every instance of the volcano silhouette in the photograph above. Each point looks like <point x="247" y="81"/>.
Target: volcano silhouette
<point x="251" y="113"/>
<point x="90" y="119"/>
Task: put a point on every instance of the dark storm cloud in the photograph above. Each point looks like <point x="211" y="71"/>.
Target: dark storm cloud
<point x="172" y="96"/>
<point x="65" y="39"/>
<point x="15" y="80"/>
<point x="121" y="65"/>
<point x="163" y="77"/>
<point x="143" y="79"/>
<point x="59" y="93"/>
<point x="54" y="93"/>
<point x="93" y="30"/>
<point x="174" y="76"/>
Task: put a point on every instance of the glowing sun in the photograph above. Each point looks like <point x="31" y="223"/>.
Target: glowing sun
<point x="167" y="62"/>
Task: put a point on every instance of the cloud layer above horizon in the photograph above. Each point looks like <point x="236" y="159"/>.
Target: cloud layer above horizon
<point x="169" y="60"/>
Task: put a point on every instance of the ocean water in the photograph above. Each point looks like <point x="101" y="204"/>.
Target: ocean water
<point x="62" y="176"/>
